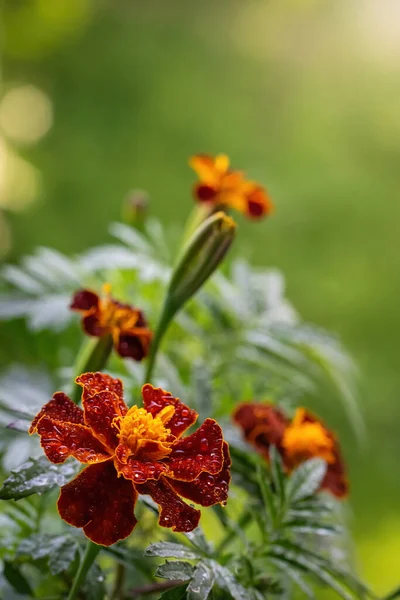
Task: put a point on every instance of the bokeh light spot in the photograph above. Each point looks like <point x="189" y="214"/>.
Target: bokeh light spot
<point x="26" y="114"/>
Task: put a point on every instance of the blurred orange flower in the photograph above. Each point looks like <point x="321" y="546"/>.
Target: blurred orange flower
<point x="298" y="440"/>
<point x="222" y="187"/>
<point x="126" y="324"/>
<point x="129" y="452"/>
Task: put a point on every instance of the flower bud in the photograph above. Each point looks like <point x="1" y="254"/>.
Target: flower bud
<point x="135" y="209"/>
<point x="200" y="257"/>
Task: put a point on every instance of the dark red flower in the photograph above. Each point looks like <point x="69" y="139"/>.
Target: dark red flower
<point x="129" y="452"/>
<point x="102" y="316"/>
<point x="298" y="440"/>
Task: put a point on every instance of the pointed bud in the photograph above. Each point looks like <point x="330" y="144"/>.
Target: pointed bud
<point x="200" y="257"/>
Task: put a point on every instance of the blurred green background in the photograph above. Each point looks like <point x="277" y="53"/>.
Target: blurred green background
<point x="102" y="96"/>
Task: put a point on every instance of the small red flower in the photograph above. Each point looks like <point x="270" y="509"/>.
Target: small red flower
<point x="126" y="324"/>
<point x="222" y="187"/>
<point x="298" y="440"/>
<point x="129" y="452"/>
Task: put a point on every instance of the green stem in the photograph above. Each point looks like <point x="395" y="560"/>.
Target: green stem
<point x="91" y="552"/>
<point x="93" y="356"/>
<point x="165" y="319"/>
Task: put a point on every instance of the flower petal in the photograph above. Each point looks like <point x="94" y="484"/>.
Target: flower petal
<point x="60" y="408"/>
<point x="155" y="399"/>
<point x="335" y="480"/>
<point x="93" y="383"/>
<point x="205" y="167"/>
<point x="205" y="192"/>
<point x="134" y="344"/>
<point x="201" y="451"/>
<point x="85" y="300"/>
<point x="99" y="412"/>
<point x="207" y="489"/>
<point x="263" y="424"/>
<point x="92" y="326"/>
<point x="100" y="502"/>
<point x="139" y="471"/>
<point x="174" y="512"/>
<point x="60" y="440"/>
<point x="259" y="203"/>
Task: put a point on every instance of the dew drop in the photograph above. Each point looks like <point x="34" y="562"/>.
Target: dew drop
<point x="204" y="443"/>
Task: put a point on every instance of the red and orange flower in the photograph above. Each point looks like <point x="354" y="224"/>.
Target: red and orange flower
<point x="222" y="187"/>
<point x="298" y="440"/>
<point x="102" y="316"/>
<point x="129" y="452"/>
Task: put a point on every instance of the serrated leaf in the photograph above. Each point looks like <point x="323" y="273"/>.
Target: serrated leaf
<point x="16" y="579"/>
<point x="202" y="582"/>
<point x="171" y="550"/>
<point x="61" y="550"/>
<point x="175" y="570"/>
<point x="37" y="476"/>
<point x="306" y="479"/>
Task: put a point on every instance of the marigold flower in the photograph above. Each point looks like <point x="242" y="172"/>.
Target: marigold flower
<point x="129" y="452"/>
<point x="224" y="188"/>
<point x="298" y="440"/>
<point x="102" y="316"/>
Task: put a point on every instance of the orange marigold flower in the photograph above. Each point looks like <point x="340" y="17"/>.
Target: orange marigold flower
<point x="126" y="324"/>
<point x="224" y="188"/>
<point x="298" y="440"/>
<point x="129" y="452"/>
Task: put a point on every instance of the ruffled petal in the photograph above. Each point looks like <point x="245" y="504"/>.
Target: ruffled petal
<point x="139" y="471"/>
<point x="85" y="300"/>
<point x="99" y="412"/>
<point x="174" y="512"/>
<point x="201" y="451"/>
<point x="100" y="502"/>
<point x="60" y="440"/>
<point x="263" y="424"/>
<point x="155" y="399"/>
<point x="60" y="408"/>
<point x="207" y="489"/>
<point x="93" y="383"/>
<point x="134" y="345"/>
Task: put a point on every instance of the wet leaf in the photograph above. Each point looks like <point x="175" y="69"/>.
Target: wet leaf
<point x="175" y="570"/>
<point x="306" y="479"/>
<point x="202" y="582"/>
<point x="37" y="476"/>
<point x="170" y="549"/>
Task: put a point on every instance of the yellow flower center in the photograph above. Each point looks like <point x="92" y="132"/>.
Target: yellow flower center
<point x="114" y="316"/>
<point x="303" y="440"/>
<point x="139" y="430"/>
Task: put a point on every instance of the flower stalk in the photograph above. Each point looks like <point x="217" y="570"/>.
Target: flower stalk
<point x="93" y="356"/>
<point x="197" y="261"/>
<point x="88" y="558"/>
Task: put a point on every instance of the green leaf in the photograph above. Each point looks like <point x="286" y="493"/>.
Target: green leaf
<point x="36" y="476"/>
<point x="198" y="539"/>
<point x="16" y="579"/>
<point x="277" y="473"/>
<point x="94" y="587"/>
<point x="178" y="593"/>
<point x="175" y="570"/>
<point x="202" y="390"/>
<point x="393" y="595"/>
<point x="226" y="580"/>
<point x="296" y="577"/>
<point x="171" y="549"/>
<point x="306" y="479"/>
<point x="202" y="582"/>
<point x="61" y="550"/>
<point x="267" y="495"/>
